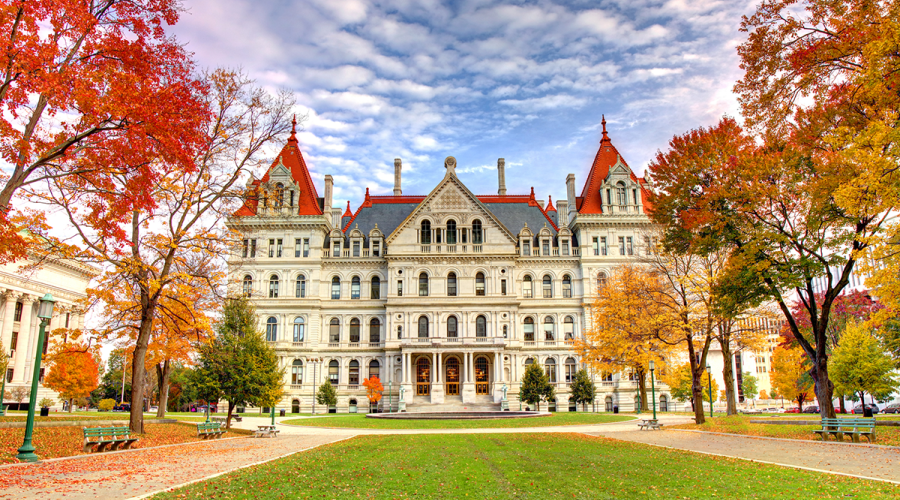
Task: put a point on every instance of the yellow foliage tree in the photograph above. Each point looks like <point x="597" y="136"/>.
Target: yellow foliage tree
<point x="790" y="374"/>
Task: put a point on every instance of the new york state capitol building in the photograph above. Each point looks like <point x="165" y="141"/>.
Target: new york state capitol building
<point x="449" y="294"/>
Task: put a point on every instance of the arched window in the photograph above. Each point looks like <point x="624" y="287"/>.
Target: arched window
<point x="335" y="288"/>
<point x="480" y="327"/>
<point x="528" y="329"/>
<point x="526" y="287"/>
<point x="451" y="232"/>
<point x="301" y="287"/>
<point x="423" y="285"/>
<point x="375" y="331"/>
<point x="354" y="330"/>
<point x="452" y="327"/>
<point x="548" y="328"/>
<point x="272" y="329"/>
<point x="425" y="233"/>
<point x="451" y="284"/>
<point x="571" y="368"/>
<point x="374" y="369"/>
<point x="248" y="285"/>
<point x="569" y="328"/>
<point x="354" y="373"/>
<point x="376" y="288"/>
<point x="621" y="195"/>
<point x="334" y="331"/>
<point x="548" y="286"/>
<point x="529" y="362"/>
<point x="295" y="406"/>
<point x="334" y="372"/>
<point x="273" y="287"/>
<point x="567" y="287"/>
<point x="299" y="330"/>
<point x="550" y="367"/>
<point x="297" y="372"/>
<point x="354" y="287"/>
<point x="479" y="284"/>
<point x="477" y="234"/>
<point x="423" y="327"/>
<point x="601" y="280"/>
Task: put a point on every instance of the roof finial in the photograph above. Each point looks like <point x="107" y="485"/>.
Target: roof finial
<point x="532" y="192"/>
<point x="348" y="213"/>
<point x="603" y="122"/>
<point x="550" y="207"/>
<point x="294" y="124"/>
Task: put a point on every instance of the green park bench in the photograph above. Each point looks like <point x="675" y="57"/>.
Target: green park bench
<point x="107" y="438"/>
<point x="209" y="429"/>
<point x="855" y="427"/>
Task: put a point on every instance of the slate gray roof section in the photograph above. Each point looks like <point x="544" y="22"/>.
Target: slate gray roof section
<point x="515" y="215"/>
<point x="387" y="215"/>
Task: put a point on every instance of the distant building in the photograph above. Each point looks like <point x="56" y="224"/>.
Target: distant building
<point x="448" y="294"/>
<point x="21" y="290"/>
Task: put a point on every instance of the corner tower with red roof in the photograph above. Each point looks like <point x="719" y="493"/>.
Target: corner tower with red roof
<point x="445" y="295"/>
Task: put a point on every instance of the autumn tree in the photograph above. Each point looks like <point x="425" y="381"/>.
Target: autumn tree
<point x="629" y="327"/>
<point x="151" y="254"/>
<point x="790" y="374"/>
<point x="860" y="365"/>
<point x="73" y="370"/>
<point x="4" y="365"/>
<point x="89" y="89"/>
<point x="681" y="385"/>
<point x="237" y="363"/>
<point x="374" y="389"/>
<point x="536" y="386"/>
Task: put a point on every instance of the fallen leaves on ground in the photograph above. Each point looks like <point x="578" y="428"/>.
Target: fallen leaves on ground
<point x="885" y="435"/>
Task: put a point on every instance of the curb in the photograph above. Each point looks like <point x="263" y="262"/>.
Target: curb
<point x="750" y="436"/>
<point x="82" y="423"/>
<point x="364" y="429"/>
<point x="188" y="483"/>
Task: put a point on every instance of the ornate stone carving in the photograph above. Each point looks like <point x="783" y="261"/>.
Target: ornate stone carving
<point x="450" y="199"/>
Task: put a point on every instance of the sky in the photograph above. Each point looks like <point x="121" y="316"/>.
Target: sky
<point x="527" y="81"/>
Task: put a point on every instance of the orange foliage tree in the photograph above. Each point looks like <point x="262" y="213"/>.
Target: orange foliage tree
<point x="73" y="370"/>
<point x="154" y="257"/>
<point x="88" y="89"/>
<point x="374" y="389"/>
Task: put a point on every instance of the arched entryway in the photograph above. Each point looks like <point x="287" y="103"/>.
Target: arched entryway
<point x="423" y="377"/>
<point x="295" y="406"/>
<point x="451" y="377"/>
<point x="609" y="403"/>
<point x="482" y="375"/>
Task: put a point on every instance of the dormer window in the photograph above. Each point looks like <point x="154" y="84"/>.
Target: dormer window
<point x="620" y="194"/>
<point x="376" y="249"/>
<point x="279" y="195"/>
<point x="425" y="233"/>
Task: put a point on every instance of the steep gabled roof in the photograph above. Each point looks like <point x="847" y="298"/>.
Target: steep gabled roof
<point x="590" y="201"/>
<point x="292" y="159"/>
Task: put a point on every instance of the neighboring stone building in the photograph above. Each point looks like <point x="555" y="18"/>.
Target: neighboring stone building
<point x="448" y="294"/>
<point x="22" y="289"/>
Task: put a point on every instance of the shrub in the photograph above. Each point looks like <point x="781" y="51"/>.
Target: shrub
<point x="106" y="404"/>
<point x="45" y="403"/>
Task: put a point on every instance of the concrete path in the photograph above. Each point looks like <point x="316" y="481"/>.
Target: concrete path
<point x="864" y="461"/>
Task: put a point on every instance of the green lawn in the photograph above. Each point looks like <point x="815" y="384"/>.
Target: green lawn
<point x="740" y="424"/>
<point x="361" y="422"/>
<point x="519" y="466"/>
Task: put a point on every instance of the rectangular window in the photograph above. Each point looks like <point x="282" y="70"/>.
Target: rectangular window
<point x="502" y="287"/>
<point x="621" y="245"/>
<point x="14" y="342"/>
<point x="634" y="195"/>
<point x="399" y="288"/>
<point x="18" y="314"/>
<point x="529" y="332"/>
<point x="41" y="376"/>
<point x="526" y="288"/>
<point x="301" y="289"/>
<point x="306" y="247"/>
<point x="565" y="247"/>
<point x="9" y="375"/>
<point x="629" y="246"/>
<point x="354" y="288"/>
<point x="335" y="289"/>
<point x="279" y="247"/>
<point x="298" y="247"/>
<point x="46" y="345"/>
<point x="604" y="250"/>
<point x="253" y="248"/>
<point x="336" y="251"/>
<point x="246" y="249"/>
<point x="376" y="249"/>
<point x="375" y="289"/>
<point x="296" y="375"/>
<point x="271" y="248"/>
<point x="356" y="249"/>
<point x="527" y="248"/>
<point x="596" y="246"/>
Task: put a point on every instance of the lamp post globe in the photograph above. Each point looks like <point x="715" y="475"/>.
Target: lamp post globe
<point x="45" y="312"/>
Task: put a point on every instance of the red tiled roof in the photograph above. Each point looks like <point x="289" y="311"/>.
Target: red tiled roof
<point x="550" y="207"/>
<point x="292" y="158"/>
<point x="590" y="201"/>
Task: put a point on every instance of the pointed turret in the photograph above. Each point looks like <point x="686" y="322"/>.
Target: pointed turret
<point x="591" y="200"/>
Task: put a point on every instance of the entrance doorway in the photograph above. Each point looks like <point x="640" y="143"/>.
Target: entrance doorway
<point x="481" y="375"/>
<point x="423" y="377"/>
<point x="451" y="375"/>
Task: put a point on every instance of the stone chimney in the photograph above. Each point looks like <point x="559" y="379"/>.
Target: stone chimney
<point x="329" y="191"/>
<point x="398" y="165"/>
<point x="501" y="173"/>
<point x="562" y="210"/>
<point x="570" y="195"/>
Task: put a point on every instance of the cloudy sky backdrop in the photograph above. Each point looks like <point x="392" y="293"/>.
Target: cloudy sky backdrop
<point x="478" y="80"/>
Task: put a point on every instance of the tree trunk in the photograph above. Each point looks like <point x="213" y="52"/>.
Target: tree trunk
<point x="824" y="387"/>
<point x="162" y="376"/>
<point x="642" y="385"/>
<point x="228" y="418"/>
<point x="71" y="408"/>
<point x="728" y="377"/>
<point x="136" y="422"/>
<point x="697" y="393"/>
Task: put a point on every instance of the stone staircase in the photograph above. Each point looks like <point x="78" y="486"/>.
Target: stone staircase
<point x="482" y="403"/>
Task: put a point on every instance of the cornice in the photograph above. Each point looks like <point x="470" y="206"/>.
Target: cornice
<point x="278" y="222"/>
<point x="39" y="288"/>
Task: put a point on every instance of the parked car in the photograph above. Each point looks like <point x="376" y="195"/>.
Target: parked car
<point x="792" y="409"/>
<point x="858" y="409"/>
<point x="811" y="409"/>
<point x="153" y="408"/>
<point x="122" y="407"/>
<point x="751" y="411"/>
<point x="772" y="410"/>
<point x="892" y="408"/>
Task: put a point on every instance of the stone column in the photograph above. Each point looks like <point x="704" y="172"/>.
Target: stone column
<point x="8" y="320"/>
<point x="438" y="369"/>
<point x="465" y="367"/>
<point x="24" y="349"/>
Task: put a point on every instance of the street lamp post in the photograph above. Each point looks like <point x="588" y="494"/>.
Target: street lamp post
<point x="45" y="312"/>
<point x="709" y="378"/>
<point x="315" y="363"/>
<point x="653" y="388"/>
<point x="3" y="395"/>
